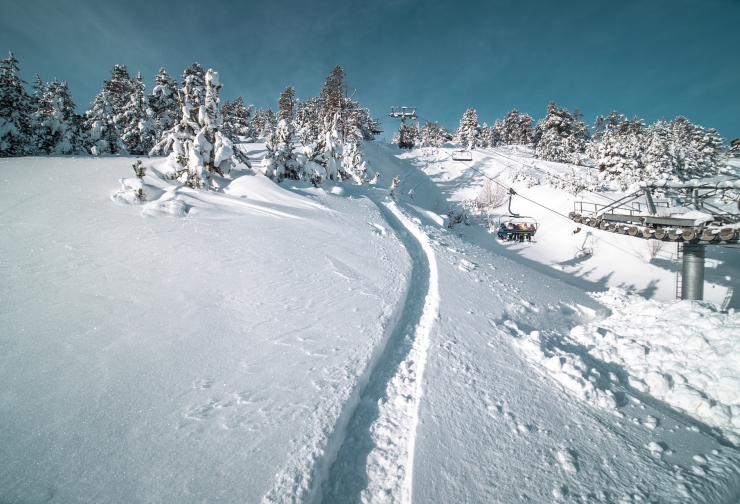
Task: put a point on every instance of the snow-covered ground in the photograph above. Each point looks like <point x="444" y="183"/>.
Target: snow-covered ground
<point x="282" y="343"/>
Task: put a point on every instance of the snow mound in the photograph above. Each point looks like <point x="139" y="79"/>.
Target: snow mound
<point x="134" y="191"/>
<point x="682" y="352"/>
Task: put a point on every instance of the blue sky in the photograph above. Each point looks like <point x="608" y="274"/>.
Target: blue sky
<point x="650" y="58"/>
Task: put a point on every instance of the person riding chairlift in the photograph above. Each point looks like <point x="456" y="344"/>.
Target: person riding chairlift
<point x="510" y="227"/>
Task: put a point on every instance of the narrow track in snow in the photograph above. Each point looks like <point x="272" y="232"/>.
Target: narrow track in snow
<point x="375" y="462"/>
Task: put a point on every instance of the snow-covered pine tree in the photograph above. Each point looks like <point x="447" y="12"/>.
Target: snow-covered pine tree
<point x="56" y="125"/>
<point x="712" y="151"/>
<point x="270" y="123"/>
<point x="237" y="121"/>
<point x="617" y="147"/>
<point x="485" y="136"/>
<point x="516" y="129"/>
<point x="490" y="135"/>
<point x="105" y="118"/>
<point x="307" y="121"/>
<point x="103" y="134"/>
<point x="163" y="102"/>
<point x="329" y="149"/>
<point x="432" y="135"/>
<point x="197" y="146"/>
<point x="468" y="134"/>
<point x="696" y="153"/>
<point x="38" y="137"/>
<point x="331" y="95"/>
<point x="658" y="162"/>
<point x="258" y="123"/>
<point x="286" y="105"/>
<point x="561" y="136"/>
<point x="15" y="111"/>
<point x="354" y="165"/>
<point x="496" y="133"/>
<point x="192" y="94"/>
<point x="281" y="161"/>
<point x="734" y="149"/>
<point x="354" y="123"/>
<point x="137" y="121"/>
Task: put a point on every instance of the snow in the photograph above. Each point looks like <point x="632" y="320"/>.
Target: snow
<point x="267" y="342"/>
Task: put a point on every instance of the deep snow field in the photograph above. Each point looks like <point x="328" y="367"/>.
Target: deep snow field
<point x="285" y="343"/>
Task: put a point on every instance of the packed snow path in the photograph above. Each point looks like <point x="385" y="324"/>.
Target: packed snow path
<point x="377" y="455"/>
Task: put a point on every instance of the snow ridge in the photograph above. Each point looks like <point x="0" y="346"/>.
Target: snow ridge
<point x="421" y="343"/>
<point x="376" y="461"/>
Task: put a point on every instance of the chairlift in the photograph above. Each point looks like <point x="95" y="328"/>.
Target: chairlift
<point x="462" y="155"/>
<point x="515" y="227"/>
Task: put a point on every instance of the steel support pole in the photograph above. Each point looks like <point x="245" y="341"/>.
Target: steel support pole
<point x="692" y="286"/>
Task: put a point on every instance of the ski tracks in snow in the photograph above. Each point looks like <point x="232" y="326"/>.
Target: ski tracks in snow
<point x="368" y="455"/>
<point x="375" y="462"/>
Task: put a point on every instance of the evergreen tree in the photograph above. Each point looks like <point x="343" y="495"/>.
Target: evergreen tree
<point x="432" y="135"/>
<point x="516" y="129"/>
<point x="281" y="161"/>
<point x="286" y="105"/>
<point x="163" y="103"/>
<point x="407" y="136"/>
<point x="106" y="118"/>
<point x="193" y="92"/>
<point x="137" y="122"/>
<point x="353" y="122"/>
<point x="734" y="149"/>
<point x="712" y="151"/>
<point x="307" y="121"/>
<point x="495" y="134"/>
<point x="56" y="125"/>
<point x="618" y="149"/>
<point x="265" y="122"/>
<point x="561" y="136"/>
<point x="332" y="94"/>
<point x="329" y="149"/>
<point x="237" y="121"/>
<point x="103" y="134"/>
<point x="197" y="146"/>
<point x="469" y="132"/>
<point x="15" y="111"/>
<point x="696" y="152"/>
<point x="354" y="165"/>
<point x="659" y="164"/>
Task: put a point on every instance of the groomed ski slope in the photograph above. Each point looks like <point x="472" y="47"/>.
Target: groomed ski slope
<point x="281" y="343"/>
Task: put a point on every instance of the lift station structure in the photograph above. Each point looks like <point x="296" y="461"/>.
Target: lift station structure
<point x="684" y="216"/>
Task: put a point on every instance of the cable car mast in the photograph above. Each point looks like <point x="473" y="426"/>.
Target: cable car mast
<point x="706" y="225"/>
<point x="403" y="113"/>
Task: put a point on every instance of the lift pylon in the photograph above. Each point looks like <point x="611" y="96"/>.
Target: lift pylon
<point x="404" y="113"/>
<point x="686" y="216"/>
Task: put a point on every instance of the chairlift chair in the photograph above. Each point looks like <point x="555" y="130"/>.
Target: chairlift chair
<point x="515" y="227"/>
<point x="462" y="155"/>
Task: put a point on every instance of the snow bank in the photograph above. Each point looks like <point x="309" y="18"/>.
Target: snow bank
<point x="681" y="352"/>
<point x="685" y="353"/>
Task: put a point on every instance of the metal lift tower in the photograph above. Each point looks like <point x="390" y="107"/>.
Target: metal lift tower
<point x="404" y="113"/>
<point x="684" y="217"/>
